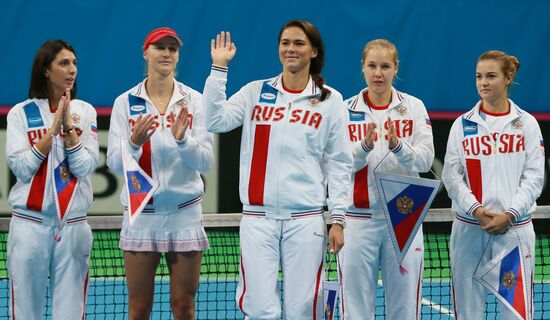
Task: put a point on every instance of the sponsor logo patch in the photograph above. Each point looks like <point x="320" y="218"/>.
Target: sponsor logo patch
<point x="137" y="108"/>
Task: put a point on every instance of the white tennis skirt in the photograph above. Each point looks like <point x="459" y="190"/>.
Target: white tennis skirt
<point x="180" y="231"/>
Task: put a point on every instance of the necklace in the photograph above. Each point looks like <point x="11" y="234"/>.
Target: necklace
<point x="161" y="104"/>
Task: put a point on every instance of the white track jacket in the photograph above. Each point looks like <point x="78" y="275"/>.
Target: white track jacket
<point x="291" y="146"/>
<point x="413" y="154"/>
<point x="175" y="165"/>
<point x="32" y="197"/>
<point x="501" y="171"/>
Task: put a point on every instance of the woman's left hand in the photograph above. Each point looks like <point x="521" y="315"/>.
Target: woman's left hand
<point x="499" y="223"/>
<point x="336" y="238"/>
<point x="392" y="134"/>
<point x="179" y="124"/>
<point x="67" y="118"/>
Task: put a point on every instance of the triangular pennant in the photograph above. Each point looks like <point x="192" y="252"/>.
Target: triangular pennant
<point x="63" y="181"/>
<point x="405" y="201"/>
<point x="139" y="186"/>
<point x="330" y="293"/>
<point x="505" y="277"/>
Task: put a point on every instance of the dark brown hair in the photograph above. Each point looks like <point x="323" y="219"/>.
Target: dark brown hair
<point x="318" y="62"/>
<point x="42" y="62"/>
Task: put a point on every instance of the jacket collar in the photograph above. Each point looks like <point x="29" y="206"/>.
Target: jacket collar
<point x="180" y="92"/>
<point x="311" y="88"/>
<point x="473" y="114"/>
<point x="359" y="103"/>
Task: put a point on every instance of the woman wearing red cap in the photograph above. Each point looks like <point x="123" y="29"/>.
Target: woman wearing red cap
<point x="51" y="144"/>
<point x="293" y="145"/>
<point x="161" y="125"/>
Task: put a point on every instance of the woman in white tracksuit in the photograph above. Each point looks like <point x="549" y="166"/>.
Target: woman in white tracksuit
<point x="161" y="122"/>
<point x="293" y="144"/>
<point x="493" y="172"/>
<point x="44" y="250"/>
<point x="382" y="121"/>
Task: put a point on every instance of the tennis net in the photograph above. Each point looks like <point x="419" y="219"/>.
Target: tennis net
<point x="107" y="293"/>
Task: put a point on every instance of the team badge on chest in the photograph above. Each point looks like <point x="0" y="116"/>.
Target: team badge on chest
<point x="76" y="118"/>
<point x="517" y="124"/>
<point x="182" y="103"/>
<point x="402" y="110"/>
<point x="314" y="101"/>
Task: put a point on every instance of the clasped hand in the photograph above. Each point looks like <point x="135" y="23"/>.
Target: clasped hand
<point x="371" y="136"/>
<point x="492" y="222"/>
<point x="62" y="119"/>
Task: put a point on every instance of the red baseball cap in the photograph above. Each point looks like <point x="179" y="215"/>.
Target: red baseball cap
<point x="160" y="33"/>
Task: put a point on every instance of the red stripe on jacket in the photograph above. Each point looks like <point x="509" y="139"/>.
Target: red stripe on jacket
<point x="473" y="166"/>
<point x="145" y="162"/>
<point x="38" y="186"/>
<point x="361" y="188"/>
<point x="256" y="184"/>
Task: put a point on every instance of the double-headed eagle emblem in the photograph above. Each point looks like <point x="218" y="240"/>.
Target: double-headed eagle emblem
<point x="64" y="172"/>
<point x="509" y="280"/>
<point x="135" y="183"/>
<point x="404" y="205"/>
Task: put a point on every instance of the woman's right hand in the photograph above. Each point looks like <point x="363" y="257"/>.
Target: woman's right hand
<point x="222" y="49"/>
<point x="370" y="136"/>
<point x="57" y="123"/>
<point x="143" y="129"/>
<point x="482" y="217"/>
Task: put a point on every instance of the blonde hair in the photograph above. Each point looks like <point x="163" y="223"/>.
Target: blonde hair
<point x="381" y="44"/>
<point x="508" y="64"/>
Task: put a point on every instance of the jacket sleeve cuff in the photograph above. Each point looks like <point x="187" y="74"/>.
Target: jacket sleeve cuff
<point x="473" y="208"/>
<point x="219" y="72"/>
<point x="74" y="149"/>
<point x="338" y="215"/>
<point x="365" y="147"/>
<point x="398" y="147"/>
<point x="134" y="150"/>
<point x="361" y="150"/>
<point x="37" y="155"/>
<point x="183" y="141"/>
<point x="514" y="213"/>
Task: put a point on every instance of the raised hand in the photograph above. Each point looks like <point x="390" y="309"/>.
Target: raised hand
<point x="370" y="136"/>
<point x="222" y="49"/>
<point x="393" y="140"/>
<point x="179" y="124"/>
<point x="143" y="129"/>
